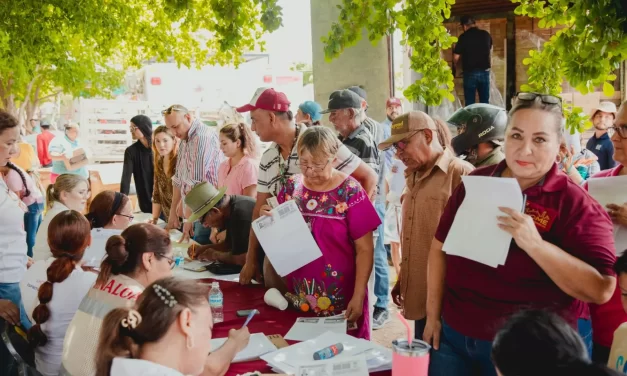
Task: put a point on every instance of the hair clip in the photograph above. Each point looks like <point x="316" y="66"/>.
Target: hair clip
<point x="133" y="319"/>
<point x="165" y="295"/>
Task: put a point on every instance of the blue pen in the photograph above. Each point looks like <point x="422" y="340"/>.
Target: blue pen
<point x="250" y="317"/>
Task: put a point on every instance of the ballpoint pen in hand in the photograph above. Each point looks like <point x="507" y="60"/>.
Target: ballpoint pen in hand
<point x="250" y="317"/>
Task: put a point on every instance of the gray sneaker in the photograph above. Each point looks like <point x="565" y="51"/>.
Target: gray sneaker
<point x="380" y="317"/>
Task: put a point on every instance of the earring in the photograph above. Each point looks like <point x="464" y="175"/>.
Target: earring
<point x="190" y="343"/>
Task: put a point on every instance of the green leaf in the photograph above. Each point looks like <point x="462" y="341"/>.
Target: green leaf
<point x="608" y="89"/>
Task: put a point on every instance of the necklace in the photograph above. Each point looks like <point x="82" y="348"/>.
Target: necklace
<point x="284" y="168"/>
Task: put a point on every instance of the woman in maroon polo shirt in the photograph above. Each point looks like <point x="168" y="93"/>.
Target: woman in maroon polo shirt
<point x="608" y="317"/>
<point x="562" y="254"/>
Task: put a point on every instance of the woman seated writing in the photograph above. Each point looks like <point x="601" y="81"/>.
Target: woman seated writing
<point x="139" y="256"/>
<point x="167" y="333"/>
<point x="109" y="214"/>
<point x="341" y="218"/>
<point x="63" y="289"/>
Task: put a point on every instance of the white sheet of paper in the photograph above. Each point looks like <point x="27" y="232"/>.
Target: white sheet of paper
<point x="355" y="366"/>
<point x="287" y="360"/>
<point x="286" y="238"/>
<point x="611" y="190"/>
<point x="475" y="234"/>
<point x="258" y="345"/>
<point x="306" y="328"/>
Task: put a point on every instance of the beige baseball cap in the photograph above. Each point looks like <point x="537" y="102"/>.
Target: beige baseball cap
<point x="606" y="106"/>
<point x="406" y="124"/>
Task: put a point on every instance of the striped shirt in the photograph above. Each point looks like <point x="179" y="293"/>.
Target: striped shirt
<point x="270" y="178"/>
<point x="361" y="143"/>
<point x="198" y="159"/>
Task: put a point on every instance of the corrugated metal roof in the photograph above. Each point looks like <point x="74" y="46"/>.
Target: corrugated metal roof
<point x="478" y="7"/>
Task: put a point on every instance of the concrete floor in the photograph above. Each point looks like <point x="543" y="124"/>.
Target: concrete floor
<point x="395" y="328"/>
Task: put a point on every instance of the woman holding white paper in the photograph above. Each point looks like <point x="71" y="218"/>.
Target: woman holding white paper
<point x="562" y="254"/>
<point x="341" y="218"/>
<point x="608" y="317"/>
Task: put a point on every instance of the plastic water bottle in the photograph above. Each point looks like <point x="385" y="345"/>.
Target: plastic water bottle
<point x="216" y="301"/>
<point x="179" y="258"/>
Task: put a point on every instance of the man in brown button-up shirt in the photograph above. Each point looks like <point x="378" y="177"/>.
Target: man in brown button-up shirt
<point x="432" y="173"/>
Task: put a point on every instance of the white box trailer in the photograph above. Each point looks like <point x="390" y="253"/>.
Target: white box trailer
<point x="105" y="126"/>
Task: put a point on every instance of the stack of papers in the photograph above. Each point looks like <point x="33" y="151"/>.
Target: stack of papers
<point x="355" y="366"/>
<point x="289" y="359"/>
<point x="286" y="239"/>
<point x="310" y="327"/>
<point x="258" y="345"/>
<point x="475" y="234"/>
<point x="611" y="190"/>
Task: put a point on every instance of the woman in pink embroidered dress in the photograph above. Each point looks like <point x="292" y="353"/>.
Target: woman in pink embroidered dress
<point x="342" y="219"/>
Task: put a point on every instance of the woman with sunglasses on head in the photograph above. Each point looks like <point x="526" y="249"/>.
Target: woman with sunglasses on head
<point x="110" y="213"/>
<point x="332" y="203"/>
<point x="69" y="192"/>
<point x="167" y="333"/>
<point x="165" y="150"/>
<point x="64" y="286"/>
<point x="138" y="162"/>
<point x="562" y="255"/>
<point x="608" y="317"/>
<point x="134" y="259"/>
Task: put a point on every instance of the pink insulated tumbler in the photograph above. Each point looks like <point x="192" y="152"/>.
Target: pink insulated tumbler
<point x="410" y="361"/>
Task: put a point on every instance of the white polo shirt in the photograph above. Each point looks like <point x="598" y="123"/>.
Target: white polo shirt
<point x="139" y="367"/>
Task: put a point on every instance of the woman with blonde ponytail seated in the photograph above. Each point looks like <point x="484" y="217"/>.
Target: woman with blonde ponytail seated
<point x="64" y="286"/>
<point x="139" y="256"/>
<point x="69" y="192"/>
<point x="166" y="333"/>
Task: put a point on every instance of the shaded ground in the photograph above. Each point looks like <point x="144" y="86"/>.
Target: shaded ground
<point x="394" y="329"/>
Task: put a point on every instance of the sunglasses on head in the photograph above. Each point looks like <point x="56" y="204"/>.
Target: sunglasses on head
<point x="546" y="98"/>
<point x="174" y="108"/>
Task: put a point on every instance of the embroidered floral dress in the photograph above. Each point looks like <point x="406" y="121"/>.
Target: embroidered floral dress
<point x="336" y="218"/>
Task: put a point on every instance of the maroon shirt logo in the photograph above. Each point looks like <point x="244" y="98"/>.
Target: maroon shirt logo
<point x="542" y="217"/>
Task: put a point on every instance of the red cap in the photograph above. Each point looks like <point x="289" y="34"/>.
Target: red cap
<point x="393" y="102"/>
<point x="267" y="99"/>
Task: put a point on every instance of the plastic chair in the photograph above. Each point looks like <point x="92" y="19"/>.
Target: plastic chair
<point x="20" y="358"/>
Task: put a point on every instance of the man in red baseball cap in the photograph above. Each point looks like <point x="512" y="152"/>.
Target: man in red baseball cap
<point x="273" y="122"/>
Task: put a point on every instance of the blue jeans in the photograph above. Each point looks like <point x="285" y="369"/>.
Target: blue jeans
<point x="460" y="355"/>
<point x="381" y="270"/>
<point x="477" y="81"/>
<point x="32" y="220"/>
<point x="11" y="291"/>
<point x="202" y="234"/>
<point x="419" y="328"/>
<point x="584" y="327"/>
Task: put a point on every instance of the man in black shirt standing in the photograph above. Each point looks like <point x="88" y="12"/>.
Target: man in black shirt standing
<point x="475" y="48"/>
<point x="138" y="162"/>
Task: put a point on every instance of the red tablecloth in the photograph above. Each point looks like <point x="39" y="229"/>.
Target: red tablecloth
<point x="269" y="320"/>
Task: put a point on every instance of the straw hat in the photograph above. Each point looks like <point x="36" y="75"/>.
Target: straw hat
<point x="202" y="198"/>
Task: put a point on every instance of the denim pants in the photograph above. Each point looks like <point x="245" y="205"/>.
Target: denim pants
<point x="32" y="220"/>
<point x="584" y="328"/>
<point x="11" y="291"/>
<point x="477" y="81"/>
<point x="460" y="355"/>
<point x="381" y="270"/>
<point x="419" y="328"/>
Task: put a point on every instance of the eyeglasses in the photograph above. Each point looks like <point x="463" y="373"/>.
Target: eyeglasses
<point x="315" y="168"/>
<point x="171" y="261"/>
<point x="402" y="144"/>
<point x="133" y="128"/>
<point x="621" y="130"/>
<point x="174" y="108"/>
<point x="130" y="217"/>
<point x="546" y="98"/>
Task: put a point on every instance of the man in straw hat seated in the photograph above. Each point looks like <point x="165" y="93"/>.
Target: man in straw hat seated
<point x="233" y="213"/>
